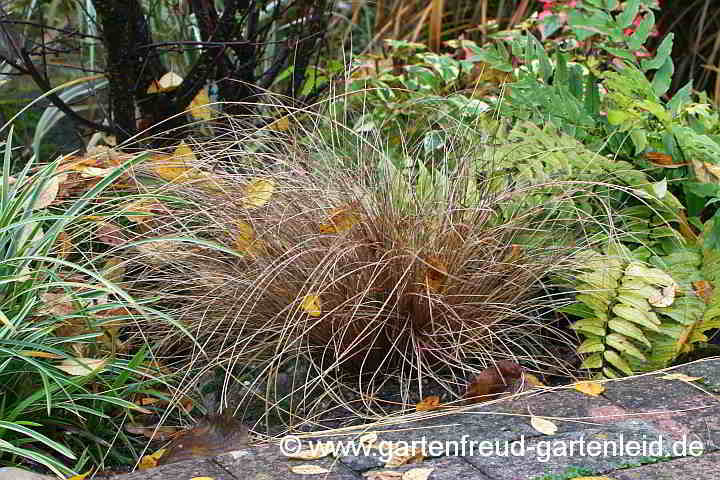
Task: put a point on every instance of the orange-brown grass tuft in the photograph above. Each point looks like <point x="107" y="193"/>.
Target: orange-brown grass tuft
<point x="352" y="269"/>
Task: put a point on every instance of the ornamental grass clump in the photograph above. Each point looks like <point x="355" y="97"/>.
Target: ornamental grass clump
<point x="345" y="271"/>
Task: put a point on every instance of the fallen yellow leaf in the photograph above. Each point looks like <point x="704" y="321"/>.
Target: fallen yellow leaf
<point x="176" y="166"/>
<point x="258" y="192"/>
<point x="246" y="240"/>
<point x="543" y="425"/>
<point x="80" y="476"/>
<point x="199" y="108"/>
<point x="309" y="469"/>
<point x="680" y="376"/>
<point x="281" y="124"/>
<point x="202" y="478"/>
<point x="590" y="388"/>
<point x="207" y="180"/>
<point x="150" y="461"/>
<point x="311" y="304"/>
<point x="533" y="380"/>
<point x="340" y="220"/>
<point x="428" y="403"/>
<point x="89" y="172"/>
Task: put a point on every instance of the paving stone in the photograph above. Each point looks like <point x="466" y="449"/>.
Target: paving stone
<point x="585" y="449"/>
<point x="651" y="392"/>
<point x="183" y="471"/>
<point x="267" y="462"/>
<point x="506" y="421"/>
<point x="680" y="409"/>
<point x="706" y="467"/>
<point x="644" y="410"/>
<point x="447" y="468"/>
<point x="708" y="369"/>
<point x="12" y="473"/>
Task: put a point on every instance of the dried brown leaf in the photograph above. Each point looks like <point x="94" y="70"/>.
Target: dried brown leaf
<point x="383" y="475"/>
<point x="436" y="274"/>
<point x="401" y="454"/>
<point x="428" y="403"/>
<point x="492" y="381"/>
<point x="57" y="304"/>
<point x="111" y="233"/>
<point x="309" y="469"/>
<point x="63" y="245"/>
<point x="703" y="289"/>
<point x="319" y="450"/>
<point x="81" y="366"/>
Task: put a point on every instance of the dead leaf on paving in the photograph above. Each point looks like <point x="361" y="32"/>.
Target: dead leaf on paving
<point x="680" y="376"/>
<point x="492" y="381"/>
<point x="543" y="425"/>
<point x="401" y="454"/>
<point x="383" y="475"/>
<point x="319" y="450"/>
<point x="150" y="461"/>
<point x="368" y="438"/>
<point x="309" y="469"/>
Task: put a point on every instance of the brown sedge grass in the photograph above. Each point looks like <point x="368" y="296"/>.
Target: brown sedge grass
<point x="243" y="310"/>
